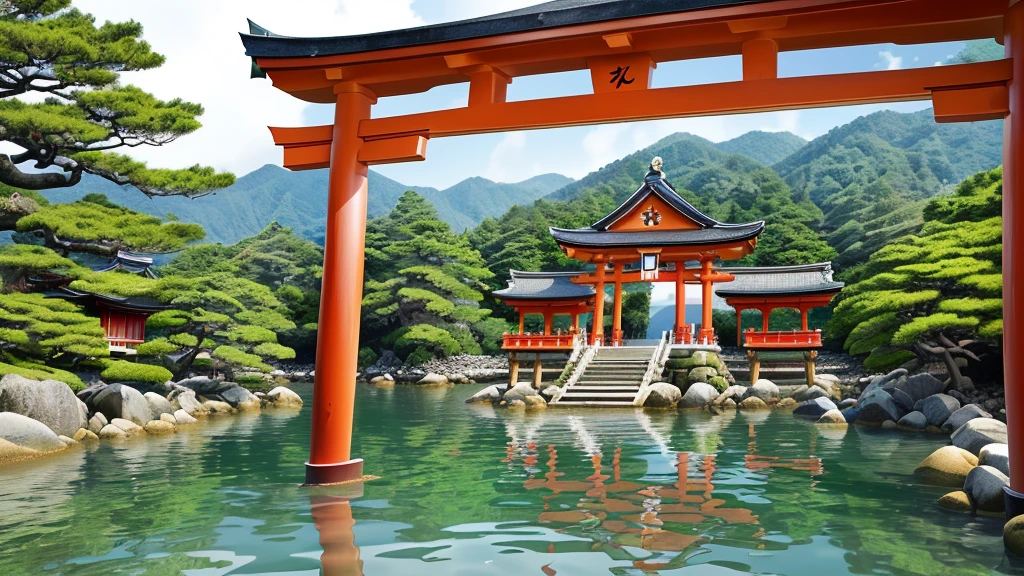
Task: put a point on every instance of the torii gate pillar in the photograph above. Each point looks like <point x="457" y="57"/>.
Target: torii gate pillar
<point x="330" y="450"/>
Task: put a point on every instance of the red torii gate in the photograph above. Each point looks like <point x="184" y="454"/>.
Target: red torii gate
<point x="606" y="36"/>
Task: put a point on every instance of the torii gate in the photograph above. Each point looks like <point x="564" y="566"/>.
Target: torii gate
<point x="620" y="42"/>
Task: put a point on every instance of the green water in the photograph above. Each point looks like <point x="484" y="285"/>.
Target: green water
<point x="467" y="490"/>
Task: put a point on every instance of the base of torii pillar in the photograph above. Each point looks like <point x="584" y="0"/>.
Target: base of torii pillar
<point x="340" y="473"/>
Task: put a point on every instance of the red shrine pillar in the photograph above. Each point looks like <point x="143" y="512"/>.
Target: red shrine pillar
<point x="617" y="307"/>
<point x="330" y="457"/>
<point x="1013" y="259"/>
<point x="706" y="329"/>
<point x="680" y="301"/>
<point x="598" y="336"/>
<point x="549" y="322"/>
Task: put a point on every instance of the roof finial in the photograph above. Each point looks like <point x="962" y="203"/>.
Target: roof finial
<point x="656" y="165"/>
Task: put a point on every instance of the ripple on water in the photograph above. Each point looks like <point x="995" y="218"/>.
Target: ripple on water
<point x="480" y="491"/>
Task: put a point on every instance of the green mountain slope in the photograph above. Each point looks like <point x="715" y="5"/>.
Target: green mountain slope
<point x="765" y="147"/>
<point x="298" y="200"/>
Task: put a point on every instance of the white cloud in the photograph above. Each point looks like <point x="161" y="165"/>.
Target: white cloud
<point x="891" y="62"/>
<point x="511" y="160"/>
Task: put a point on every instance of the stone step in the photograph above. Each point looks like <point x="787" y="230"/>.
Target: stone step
<point x="591" y="388"/>
<point x="591" y="382"/>
<point x="595" y="403"/>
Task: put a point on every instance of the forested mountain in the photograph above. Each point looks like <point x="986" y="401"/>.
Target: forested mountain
<point x="299" y="200"/>
<point x="765" y="147"/>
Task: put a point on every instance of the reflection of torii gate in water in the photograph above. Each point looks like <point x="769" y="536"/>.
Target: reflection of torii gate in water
<point x="621" y="41"/>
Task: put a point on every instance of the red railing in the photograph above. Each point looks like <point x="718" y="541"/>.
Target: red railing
<point x="684" y="334"/>
<point x="791" y="339"/>
<point x="537" y="341"/>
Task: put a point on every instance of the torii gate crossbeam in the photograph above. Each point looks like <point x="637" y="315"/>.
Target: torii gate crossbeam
<point x="604" y="37"/>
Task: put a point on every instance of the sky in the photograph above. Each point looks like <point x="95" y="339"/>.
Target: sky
<point x="206" y="64"/>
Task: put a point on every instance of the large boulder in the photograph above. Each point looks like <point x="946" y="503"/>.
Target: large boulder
<point x="752" y="403"/>
<point x="811" y="393"/>
<point x="520" y="392"/>
<point x="978" y="433"/>
<point x="119" y="401"/>
<point x="833" y="416"/>
<point x="947" y="466"/>
<point x="996" y="456"/>
<point x="221" y="391"/>
<point x="663" y="395"/>
<point x="878" y="407"/>
<point x="921" y="386"/>
<point x="765" y="390"/>
<point x="815" y="408"/>
<point x="47" y="401"/>
<point x="26" y="433"/>
<point x="913" y="421"/>
<point x="962" y="416"/>
<point x="737" y="393"/>
<point x="903" y="400"/>
<point x="984" y="488"/>
<point x="157" y="405"/>
<point x="698" y="395"/>
<point x="702" y="374"/>
<point x="938" y="408"/>
<point x="282" y="397"/>
<point x="489" y="395"/>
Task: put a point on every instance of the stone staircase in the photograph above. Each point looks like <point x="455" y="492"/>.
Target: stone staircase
<point x="781" y="369"/>
<point x="611" y="378"/>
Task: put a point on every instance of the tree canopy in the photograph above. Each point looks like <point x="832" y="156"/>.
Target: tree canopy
<point x="78" y="114"/>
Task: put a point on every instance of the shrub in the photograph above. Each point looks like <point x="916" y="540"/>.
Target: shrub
<point x="41" y="372"/>
<point x="919" y="328"/>
<point x="366" y="357"/>
<point x="121" y="371"/>
<point x="882" y="360"/>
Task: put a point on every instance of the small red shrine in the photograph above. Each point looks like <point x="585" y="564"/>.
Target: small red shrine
<point x="124" y="319"/>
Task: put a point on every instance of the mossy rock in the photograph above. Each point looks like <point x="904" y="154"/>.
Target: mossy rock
<point x="701" y="374"/>
<point x="678" y="363"/>
<point x="705" y="358"/>
<point x="680" y="353"/>
<point x="679" y="379"/>
<point x="719" y="383"/>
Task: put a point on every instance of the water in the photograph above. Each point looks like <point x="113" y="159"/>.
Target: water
<point x="466" y="490"/>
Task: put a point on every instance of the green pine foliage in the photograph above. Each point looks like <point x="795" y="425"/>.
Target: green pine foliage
<point x="48" y="48"/>
<point x="121" y="371"/>
<point x="96" y="219"/>
<point x="944" y="279"/>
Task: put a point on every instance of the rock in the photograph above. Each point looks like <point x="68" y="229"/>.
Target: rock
<point x="978" y="433"/>
<point x="938" y="408"/>
<point x="536" y="402"/>
<point x="282" y="397"/>
<point x="28" y="433"/>
<point x="238" y="397"/>
<point x="903" y="400"/>
<point x="984" y="488"/>
<point x="833" y="416"/>
<point x="913" y="421"/>
<point x="729" y="403"/>
<point x="701" y="374"/>
<point x="159" y="427"/>
<point x="814" y="408"/>
<point x="752" y="403"/>
<point x="383" y="383"/>
<point x="963" y="416"/>
<point x="82" y="434"/>
<point x="157" y="405"/>
<point x="127" y="425"/>
<point x="112" y="432"/>
<point x="810" y="394"/>
<point x="765" y="390"/>
<point x="851" y="414"/>
<point x="489" y="395"/>
<point x="120" y="401"/>
<point x="218" y="407"/>
<point x="382" y="378"/>
<point x="786" y="404"/>
<point x="520" y="392"/>
<point x="90" y="436"/>
<point x="66" y="441"/>
<point x="663" y="395"/>
<point x="955" y="501"/>
<point x="83" y="414"/>
<point x="1013" y="536"/>
<point x="47" y="401"/>
<point x="921" y="386"/>
<point x="947" y="466"/>
<point x="547" y="393"/>
<point x="888" y="425"/>
<point x="877" y="407"/>
<point x="515" y="404"/>
<point x="184" y="418"/>
<point x="698" y="395"/>
<point x="432" y="379"/>
<point x="169" y="418"/>
<point x="848" y="403"/>
<point x="97" y="422"/>
<point x="996" y="456"/>
<point x="185" y="399"/>
<point x="831" y="379"/>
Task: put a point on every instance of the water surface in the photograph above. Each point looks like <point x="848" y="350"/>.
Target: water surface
<point x="466" y="490"/>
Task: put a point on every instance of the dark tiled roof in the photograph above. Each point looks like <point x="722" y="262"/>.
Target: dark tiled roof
<point x="261" y="43"/>
<point x="142" y="304"/>
<point x="544" y="286"/>
<point x="775" y="280"/>
<point x="590" y="238"/>
<point x="656" y="184"/>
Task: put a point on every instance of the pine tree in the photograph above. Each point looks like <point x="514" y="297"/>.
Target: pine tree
<point x="75" y="113"/>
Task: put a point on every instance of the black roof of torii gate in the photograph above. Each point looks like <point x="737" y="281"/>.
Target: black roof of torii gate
<point x="261" y="43"/>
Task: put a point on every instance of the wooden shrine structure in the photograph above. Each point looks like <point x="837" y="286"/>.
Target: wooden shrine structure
<point x="620" y="43"/>
<point x="123" y="319"/>
<point x="768" y="288"/>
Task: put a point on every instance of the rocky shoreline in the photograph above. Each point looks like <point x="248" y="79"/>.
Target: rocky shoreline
<point x="41" y="417"/>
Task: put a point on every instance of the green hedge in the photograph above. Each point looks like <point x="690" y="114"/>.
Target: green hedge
<point x="121" y="371"/>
